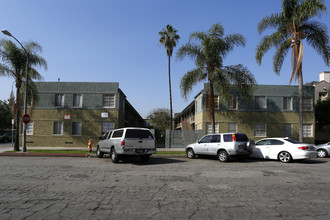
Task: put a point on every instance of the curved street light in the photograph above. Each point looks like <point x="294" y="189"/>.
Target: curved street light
<point x="4" y="31"/>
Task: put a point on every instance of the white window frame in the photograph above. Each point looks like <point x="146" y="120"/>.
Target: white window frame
<point x="209" y="128"/>
<point x="287" y="103"/>
<point x="107" y="102"/>
<point x="287" y="130"/>
<point x="257" y="103"/>
<point x="307" y="104"/>
<point x="59" y="100"/>
<point x="231" y="125"/>
<point x="77" y="100"/>
<point x="58" y="128"/>
<point x="76" y="131"/>
<point x="308" y="130"/>
<point x="260" y="130"/>
<point x="107" y="126"/>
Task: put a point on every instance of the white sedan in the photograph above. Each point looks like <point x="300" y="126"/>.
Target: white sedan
<point x="283" y="149"/>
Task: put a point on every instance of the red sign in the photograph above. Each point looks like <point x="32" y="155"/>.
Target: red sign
<point x="67" y="117"/>
<point x="26" y="118"/>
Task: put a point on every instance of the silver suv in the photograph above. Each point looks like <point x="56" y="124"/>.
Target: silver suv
<point x="127" y="142"/>
<point x="225" y="146"/>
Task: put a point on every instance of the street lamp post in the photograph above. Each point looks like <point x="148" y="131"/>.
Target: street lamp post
<point x="26" y="86"/>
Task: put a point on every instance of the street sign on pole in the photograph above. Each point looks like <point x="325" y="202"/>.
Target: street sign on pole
<point x="26" y="118"/>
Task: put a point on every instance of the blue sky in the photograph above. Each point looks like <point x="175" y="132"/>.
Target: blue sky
<point x="117" y="41"/>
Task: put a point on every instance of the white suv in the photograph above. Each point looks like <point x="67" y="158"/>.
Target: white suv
<point x="223" y="145"/>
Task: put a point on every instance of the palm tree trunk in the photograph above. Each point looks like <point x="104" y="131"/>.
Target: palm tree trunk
<point x="301" y="98"/>
<point x="212" y="108"/>
<point x="171" y="110"/>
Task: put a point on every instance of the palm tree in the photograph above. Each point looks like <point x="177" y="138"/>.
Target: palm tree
<point x="169" y="38"/>
<point x="13" y="64"/>
<point x="208" y="57"/>
<point x="293" y="25"/>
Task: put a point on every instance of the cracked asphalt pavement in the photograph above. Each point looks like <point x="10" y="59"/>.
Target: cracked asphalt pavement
<point x="164" y="188"/>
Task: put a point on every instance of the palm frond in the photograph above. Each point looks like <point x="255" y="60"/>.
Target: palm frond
<point x="190" y="79"/>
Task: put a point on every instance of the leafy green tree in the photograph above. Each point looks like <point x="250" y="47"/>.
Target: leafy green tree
<point x="5" y="115"/>
<point x="160" y="118"/>
<point x="292" y="25"/>
<point x="13" y="64"/>
<point x="169" y="38"/>
<point x="322" y="109"/>
<point x="208" y="55"/>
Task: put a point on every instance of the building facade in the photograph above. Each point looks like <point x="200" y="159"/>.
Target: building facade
<point x="273" y="112"/>
<point x="68" y="114"/>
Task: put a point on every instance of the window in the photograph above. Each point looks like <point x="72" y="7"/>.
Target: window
<point x="206" y="139"/>
<point x="58" y="127"/>
<point x="232" y="127"/>
<point x="260" y="102"/>
<point x="59" y="100"/>
<point x="287" y="104"/>
<point x="287" y="129"/>
<point x="107" y="126"/>
<point x="323" y="96"/>
<point x="275" y="142"/>
<point x="198" y="105"/>
<point x="216" y="101"/>
<point x="117" y="134"/>
<point x="109" y="101"/>
<point x="233" y="103"/>
<point x="308" y="104"/>
<point x="215" y="138"/>
<point x="77" y="100"/>
<point x="76" y="128"/>
<point x="209" y="128"/>
<point x="260" y="130"/>
<point x="307" y="130"/>
<point x="227" y="137"/>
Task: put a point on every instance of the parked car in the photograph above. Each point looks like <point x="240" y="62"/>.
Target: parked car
<point x="283" y="149"/>
<point x="224" y="145"/>
<point x="127" y="142"/>
<point x="6" y="137"/>
<point x="323" y="150"/>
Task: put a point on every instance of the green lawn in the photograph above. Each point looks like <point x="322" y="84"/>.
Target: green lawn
<point x="85" y="152"/>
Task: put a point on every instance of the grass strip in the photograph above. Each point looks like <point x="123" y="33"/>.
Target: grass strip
<point x="85" y="152"/>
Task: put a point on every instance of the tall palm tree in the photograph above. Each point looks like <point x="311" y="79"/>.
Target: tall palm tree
<point x="208" y="57"/>
<point x="293" y="25"/>
<point x="14" y="65"/>
<point x="169" y="38"/>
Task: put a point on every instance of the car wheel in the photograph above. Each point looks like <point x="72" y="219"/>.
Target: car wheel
<point x="190" y="153"/>
<point x="99" y="153"/>
<point x="223" y="156"/>
<point x="284" y="157"/>
<point x="114" y="156"/>
<point x="322" y="153"/>
<point x="145" y="158"/>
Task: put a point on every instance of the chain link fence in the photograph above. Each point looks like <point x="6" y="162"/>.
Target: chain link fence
<point x="180" y="139"/>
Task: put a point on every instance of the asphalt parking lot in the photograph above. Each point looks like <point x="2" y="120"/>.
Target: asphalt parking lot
<point x="164" y="188"/>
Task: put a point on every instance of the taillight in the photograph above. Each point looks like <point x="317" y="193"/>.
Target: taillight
<point x="122" y="143"/>
<point x="303" y="148"/>
<point x="234" y="137"/>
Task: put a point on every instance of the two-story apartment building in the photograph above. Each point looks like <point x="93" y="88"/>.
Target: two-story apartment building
<point x="273" y="112"/>
<point x="71" y="113"/>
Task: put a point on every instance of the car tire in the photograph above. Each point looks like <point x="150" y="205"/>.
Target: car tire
<point x="114" y="156"/>
<point x="190" y="153"/>
<point x="322" y="153"/>
<point x="99" y="153"/>
<point x="284" y="157"/>
<point x="145" y="158"/>
<point x="250" y="146"/>
<point x="223" y="156"/>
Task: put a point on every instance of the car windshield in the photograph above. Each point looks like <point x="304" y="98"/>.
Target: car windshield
<point x="292" y="141"/>
<point x="136" y="133"/>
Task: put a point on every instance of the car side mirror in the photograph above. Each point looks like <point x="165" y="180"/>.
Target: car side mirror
<point x="101" y="138"/>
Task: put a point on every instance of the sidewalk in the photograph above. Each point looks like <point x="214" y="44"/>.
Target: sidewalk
<point x="20" y="153"/>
